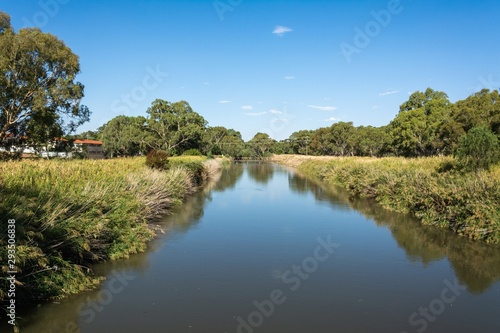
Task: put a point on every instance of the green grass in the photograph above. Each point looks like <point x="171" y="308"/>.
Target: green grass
<point x="466" y="203"/>
<point x="70" y="214"/>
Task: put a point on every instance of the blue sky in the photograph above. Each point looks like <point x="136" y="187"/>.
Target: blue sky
<point x="271" y="66"/>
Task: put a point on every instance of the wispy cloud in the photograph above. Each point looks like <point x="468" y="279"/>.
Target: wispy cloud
<point x="255" y="114"/>
<point x="390" y="92"/>
<point x="247" y="107"/>
<point x="332" y="119"/>
<point x="224" y="102"/>
<point x="322" y="108"/>
<point x="289" y="77"/>
<point x="375" y="107"/>
<point x="281" y="30"/>
<point x="276" y="112"/>
<point x="272" y="111"/>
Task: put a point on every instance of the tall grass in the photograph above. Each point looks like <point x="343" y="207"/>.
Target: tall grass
<point x="70" y="214"/>
<point x="466" y="203"/>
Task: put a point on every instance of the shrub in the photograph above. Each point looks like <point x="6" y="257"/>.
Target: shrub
<point x="8" y="156"/>
<point x="157" y="159"/>
<point x="195" y="169"/>
<point x="192" y="152"/>
<point x="478" y="149"/>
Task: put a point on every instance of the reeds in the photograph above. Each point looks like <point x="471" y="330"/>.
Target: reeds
<point x="70" y="214"/>
<point x="466" y="203"/>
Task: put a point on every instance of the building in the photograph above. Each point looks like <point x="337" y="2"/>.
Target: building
<point x="92" y="149"/>
<point x="58" y="148"/>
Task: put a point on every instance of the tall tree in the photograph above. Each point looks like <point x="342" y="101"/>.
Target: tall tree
<point x="212" y="139"/>
<point x="370" y="141"/>
<point x="300" y="141"/>
<point x="124" y="136"/>
<point x="39" y="97"/>
<point x="261" y="145"/>
<point x="417" y="129"/>
<point x="174" y="127"/>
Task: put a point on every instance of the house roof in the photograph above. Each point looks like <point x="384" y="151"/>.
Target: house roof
<point x="88" y="142"/>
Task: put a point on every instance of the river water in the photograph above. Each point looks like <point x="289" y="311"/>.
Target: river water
<point x="267" y="250"/>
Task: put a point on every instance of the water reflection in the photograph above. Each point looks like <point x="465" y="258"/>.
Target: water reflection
<point x="77" y="311"/>
<point x="198" y="276"/>
<point x="229" y="177"/>
<point x="262" y="173"/>
<point x="476" y="264"/>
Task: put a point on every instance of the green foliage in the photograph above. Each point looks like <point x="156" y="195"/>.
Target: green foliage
<point x="194" y="168"/>
<point x="43" y="101"/>
<point x="157" y="159"/>
<point x="417" y="129"/>
<point x="124" y="136"/>
<point x="10" y="156"/>
<point x="173" y="126"/>
<point x="464" y="203"/>
<point x="300" y="142"/>
<point x="261" y="145"/>
<point x="4" y="21"/>
<point x="427" y="125"/>
<point x="334" y="140"/>
<point x="192" y="152"/>
<point x="478" y="149"/>
<point x="70" y="214"/>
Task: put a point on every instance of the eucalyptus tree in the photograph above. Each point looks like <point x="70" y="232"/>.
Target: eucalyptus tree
<point x="39" y="95"/>
<point x="174" y="127"/>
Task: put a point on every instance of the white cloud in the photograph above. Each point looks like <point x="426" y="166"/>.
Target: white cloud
<point x="289" y="77"/>
<point x="276" y="112"/>
<point x="375" y="107"/>
<point x="224" y="102"/>
<point x="255" y="114"/>
<point x="322" y="108"/>
<point x="332" y="119"/>
<point x="390" y="92"/>
<point x="206" y="83"/>
<point x="281" y="30"/>
<point x="247" y="107"/>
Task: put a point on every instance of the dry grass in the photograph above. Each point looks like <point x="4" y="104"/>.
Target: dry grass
<point x="72" y="213"/>
<point x="429" y="188"/>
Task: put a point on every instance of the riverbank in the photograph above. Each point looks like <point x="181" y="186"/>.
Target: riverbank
<point x="466" y="203"/>
<point x="70" y="214"/>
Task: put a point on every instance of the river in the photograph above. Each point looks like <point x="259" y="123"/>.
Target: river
<point x="267" y="250"/>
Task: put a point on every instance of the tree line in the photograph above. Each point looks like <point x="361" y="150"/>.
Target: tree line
<point x="427" y="124"/>
<point x="40" y="100"/>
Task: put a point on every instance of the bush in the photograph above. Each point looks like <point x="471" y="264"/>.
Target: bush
<point x="478" y="149"/>
<point x="195" y="169"/>
<point x="192" y="152"/>
<point x="8" y="156"/>
<point x="157" y="159"/>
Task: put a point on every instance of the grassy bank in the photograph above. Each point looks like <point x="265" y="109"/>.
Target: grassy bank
<point x="466" y="203"/>
<point x="70" y="214"/>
